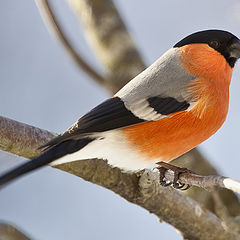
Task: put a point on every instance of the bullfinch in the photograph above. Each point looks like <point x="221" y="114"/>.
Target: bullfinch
<point x="165" y="111"/>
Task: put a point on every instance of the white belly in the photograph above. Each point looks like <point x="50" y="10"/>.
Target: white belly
<point x="114" y="148"/>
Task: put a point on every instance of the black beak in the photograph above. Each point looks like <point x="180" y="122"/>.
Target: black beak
<point x="235" y="49"/>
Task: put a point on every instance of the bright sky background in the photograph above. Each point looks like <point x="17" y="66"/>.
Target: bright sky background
<point x="42" y="87"/>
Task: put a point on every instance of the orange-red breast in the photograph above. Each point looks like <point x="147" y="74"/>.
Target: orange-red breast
<point x="165" y="111"/>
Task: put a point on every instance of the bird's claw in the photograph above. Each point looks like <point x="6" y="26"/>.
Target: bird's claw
<point x="163" y="167"/>
<point x="163" y="182"/>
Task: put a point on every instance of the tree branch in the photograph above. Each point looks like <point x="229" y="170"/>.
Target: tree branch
<point x="52" y="23"/>
<point x="22" y="139"/>
<point x="9" y="232"/>
<point x="206" y="182"/>
<point x="143" y="189"/>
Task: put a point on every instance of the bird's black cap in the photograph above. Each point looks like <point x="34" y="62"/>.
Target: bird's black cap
<point x="222" y="41"/>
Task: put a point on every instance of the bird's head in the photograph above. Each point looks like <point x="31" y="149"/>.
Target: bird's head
<point x="225" y="43"/>
<point x="210" y="52"/>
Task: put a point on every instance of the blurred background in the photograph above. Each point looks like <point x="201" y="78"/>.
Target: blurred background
<point x="41" y="86"/>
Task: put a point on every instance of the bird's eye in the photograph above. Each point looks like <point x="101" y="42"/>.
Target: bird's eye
<point x="214" y="44"/>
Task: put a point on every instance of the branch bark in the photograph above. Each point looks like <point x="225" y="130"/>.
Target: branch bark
<point x="143" y="189"/>
<point x="21" y="139"/>
<point x="9" y="232"/>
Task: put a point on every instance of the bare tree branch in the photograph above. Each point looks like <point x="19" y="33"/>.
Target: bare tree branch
<point x="142" y="189"/>
<point x="9" y="232"/>
<point x="21" y="139"/>
<point x="51" y="21"/>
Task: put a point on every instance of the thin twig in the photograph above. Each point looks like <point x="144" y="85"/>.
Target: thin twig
<point x="206" y="182"/>
<point x="51" y="21"/>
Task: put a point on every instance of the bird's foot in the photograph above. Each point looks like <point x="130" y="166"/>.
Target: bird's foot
<point x="163" y="167"/>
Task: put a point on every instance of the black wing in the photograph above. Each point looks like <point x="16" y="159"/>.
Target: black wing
<point x="113" y="114"/>
<point x="109" y="115"/>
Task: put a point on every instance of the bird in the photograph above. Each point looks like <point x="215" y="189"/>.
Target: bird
<point x="168" y="109"/>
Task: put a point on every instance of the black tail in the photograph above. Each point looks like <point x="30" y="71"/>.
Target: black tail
<point x="60" y="150"/>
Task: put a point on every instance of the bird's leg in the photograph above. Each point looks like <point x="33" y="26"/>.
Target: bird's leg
<point x="163" y="167"/>
<point x="163" y="182"/>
